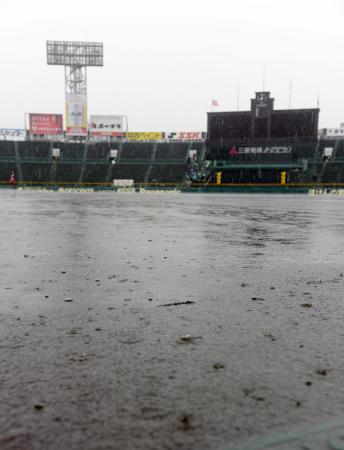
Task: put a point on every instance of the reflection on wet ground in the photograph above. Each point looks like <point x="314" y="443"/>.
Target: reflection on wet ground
<point x="248" y="340"/>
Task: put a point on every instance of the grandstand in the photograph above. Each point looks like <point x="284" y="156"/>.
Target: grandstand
<point x="262" y="146"/>
<point x="302" y="162"/>
<point x="267" y="146"/>
<point x="163" y="163"/>
<point x="91" y="163"/>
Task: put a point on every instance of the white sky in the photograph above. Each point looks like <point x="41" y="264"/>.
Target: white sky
<point x="165" y="60"/>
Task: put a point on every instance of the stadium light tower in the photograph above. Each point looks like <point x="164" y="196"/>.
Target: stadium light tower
<point x="75" y="57"/>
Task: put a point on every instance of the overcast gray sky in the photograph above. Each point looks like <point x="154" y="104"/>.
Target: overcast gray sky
<point x="165" y="60"/>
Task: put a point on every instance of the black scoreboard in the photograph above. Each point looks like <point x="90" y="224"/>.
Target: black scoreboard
<point x="263" y="123"/>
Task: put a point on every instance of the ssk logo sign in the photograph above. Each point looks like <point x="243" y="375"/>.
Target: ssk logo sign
<point x="184" y="136"/>
<point x="261" y="150"/>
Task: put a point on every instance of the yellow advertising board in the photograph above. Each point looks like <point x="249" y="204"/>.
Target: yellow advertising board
<point x="144" y="136"/>
<point x="283" y="177"/>
<point x="218" y="177"/>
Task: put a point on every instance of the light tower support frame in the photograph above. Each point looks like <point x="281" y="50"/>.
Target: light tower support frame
<point x="76" y="80"/>
<point x="75" y="56"/>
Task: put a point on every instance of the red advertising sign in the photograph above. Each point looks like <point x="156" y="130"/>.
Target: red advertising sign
<point x="46" y="124"/>
<point x="189" y="135"/>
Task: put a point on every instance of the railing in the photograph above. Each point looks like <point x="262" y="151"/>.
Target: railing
<point x="110" y="185"/>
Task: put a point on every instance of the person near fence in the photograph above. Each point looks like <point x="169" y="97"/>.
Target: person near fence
<point x="12" y="179"/>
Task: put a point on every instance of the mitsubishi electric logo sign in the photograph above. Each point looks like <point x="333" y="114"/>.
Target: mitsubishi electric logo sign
<point x="261" y="150"/>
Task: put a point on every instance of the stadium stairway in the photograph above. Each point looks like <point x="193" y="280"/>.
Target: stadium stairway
<point x="321" y="172"/>
<point x="84" y="159"/>
<point x="202" y="154"/>
<point x="150" y="168"/>
<point x="109" y="173"/>
<point x="18" y="164"/>
<point x="335" y="149"/>
<point x="317" y="151"/>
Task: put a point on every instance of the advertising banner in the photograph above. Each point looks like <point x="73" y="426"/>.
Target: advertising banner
<point x="261" y="150"/>
<point x="56" y="153"/>
<point x="193" y="155"/>
<point x="145" y="136"/>
<point x="76" y="115"/>
<point x="106" y="125"/>
<point x="12" y="134"/>
<point x="185" y="136"/>
<point x="113" y="153"/>
<point x="50" y="124"/>
<point x="123" y="183"/>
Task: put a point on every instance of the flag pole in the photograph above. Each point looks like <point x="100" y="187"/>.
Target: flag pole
<point x="238" y="96"/>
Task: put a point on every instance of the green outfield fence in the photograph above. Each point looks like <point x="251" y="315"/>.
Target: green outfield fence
<point x="195" y="187"/>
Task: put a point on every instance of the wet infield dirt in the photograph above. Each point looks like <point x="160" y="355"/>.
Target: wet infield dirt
<point x="164" y="322"/>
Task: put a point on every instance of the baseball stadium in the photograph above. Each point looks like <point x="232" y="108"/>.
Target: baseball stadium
<point x="260" y="150"/>
<point x="154" y="294"/>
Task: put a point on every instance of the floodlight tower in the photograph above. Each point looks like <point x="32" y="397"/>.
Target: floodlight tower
<point x="75" y="57"/>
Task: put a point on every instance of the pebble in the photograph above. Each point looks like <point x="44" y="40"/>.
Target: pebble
<point x="217" y="366"/>
<point x="186" y="338"/>
<point x="185" y="422"/>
